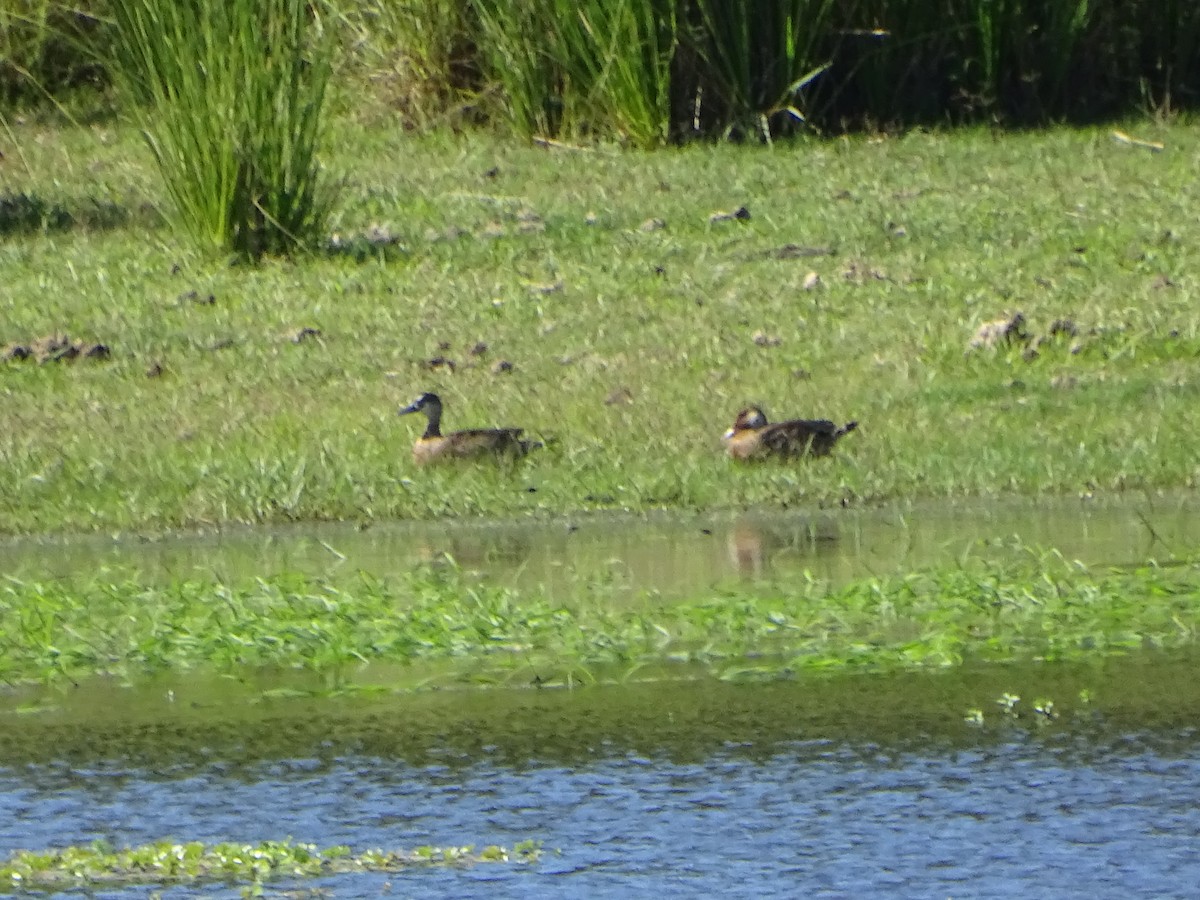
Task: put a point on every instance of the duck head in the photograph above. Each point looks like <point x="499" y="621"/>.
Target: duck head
<point x="749" y="418"/>
<point x="430" y="404"/>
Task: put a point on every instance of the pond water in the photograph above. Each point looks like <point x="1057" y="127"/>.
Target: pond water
<point x="854" y="786"/>
<point x="675" y="554"/>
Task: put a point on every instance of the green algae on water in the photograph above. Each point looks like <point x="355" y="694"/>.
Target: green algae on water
<point x="99" y="866"/>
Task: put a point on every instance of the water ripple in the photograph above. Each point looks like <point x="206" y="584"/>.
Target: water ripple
<point x="1023" y="818"/>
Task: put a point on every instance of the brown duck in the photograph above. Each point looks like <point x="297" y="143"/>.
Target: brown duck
<point x="475" y="442"/>
<point x="752" y="437"/>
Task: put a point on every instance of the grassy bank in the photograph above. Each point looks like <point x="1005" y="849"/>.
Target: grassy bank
<point x="851" y="292"/>
<point x="458" y="631"/>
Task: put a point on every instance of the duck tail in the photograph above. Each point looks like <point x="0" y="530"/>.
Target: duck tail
<point x="527" y="444"/>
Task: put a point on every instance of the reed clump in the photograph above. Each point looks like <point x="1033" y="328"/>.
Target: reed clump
<point x="650" y="71"/>
<point x="230" y="97"/>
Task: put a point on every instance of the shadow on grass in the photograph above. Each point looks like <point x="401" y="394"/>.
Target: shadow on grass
<point x="23" y="213"/>
<point x="374" y="243"/>
<point x="30" y="213"/>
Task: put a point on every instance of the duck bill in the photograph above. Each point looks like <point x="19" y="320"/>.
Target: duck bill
<point x="411" y="408"/>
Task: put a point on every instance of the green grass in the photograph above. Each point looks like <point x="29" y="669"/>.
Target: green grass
<point x="931" y="235"/>
<point x="457" y="630"/>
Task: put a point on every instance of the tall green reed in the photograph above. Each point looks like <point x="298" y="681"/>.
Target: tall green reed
<point x="1063" y="27"/>
<point x="23" y="36"/>
<point x="47" y="46"/>
<point x="418" y="55"/>
<point x="617" y="54"/>
<point x="1167" y="44"/>
<point x="761" y="56"/>
<point x="1024" y="53"/>
<point x="594" y="67"/>
<point x="229" y="96"/>
<point x="737" y="66"/>
<point x="519" y="62"/>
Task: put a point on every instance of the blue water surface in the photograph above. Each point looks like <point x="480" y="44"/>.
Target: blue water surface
<point x="1020" y="817"/>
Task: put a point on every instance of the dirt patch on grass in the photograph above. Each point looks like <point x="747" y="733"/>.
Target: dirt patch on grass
<point x="55" y="347"/>
<point x="1012" y="330"/>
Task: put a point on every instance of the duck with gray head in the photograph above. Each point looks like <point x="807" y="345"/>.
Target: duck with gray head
<point x="752" y="437"/>
<point x="471" y="443"/>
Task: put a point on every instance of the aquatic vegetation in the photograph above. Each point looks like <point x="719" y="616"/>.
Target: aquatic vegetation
<point x="1042" y="710"/>
<point x="167" y="862"/>
<point x="452" y="628"/>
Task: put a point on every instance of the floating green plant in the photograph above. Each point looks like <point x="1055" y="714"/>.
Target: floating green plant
<point x="166" y="862"/>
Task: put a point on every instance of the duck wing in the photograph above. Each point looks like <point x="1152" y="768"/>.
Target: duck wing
<point x="801" y="436"/>
<point x="487" y="440"/>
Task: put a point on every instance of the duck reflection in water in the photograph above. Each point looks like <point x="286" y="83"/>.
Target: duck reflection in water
<point x="754" y="547"/>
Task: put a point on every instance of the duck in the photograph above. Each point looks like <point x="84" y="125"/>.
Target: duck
<point x="753" y="437"/>
<point x="474" y="442"/>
